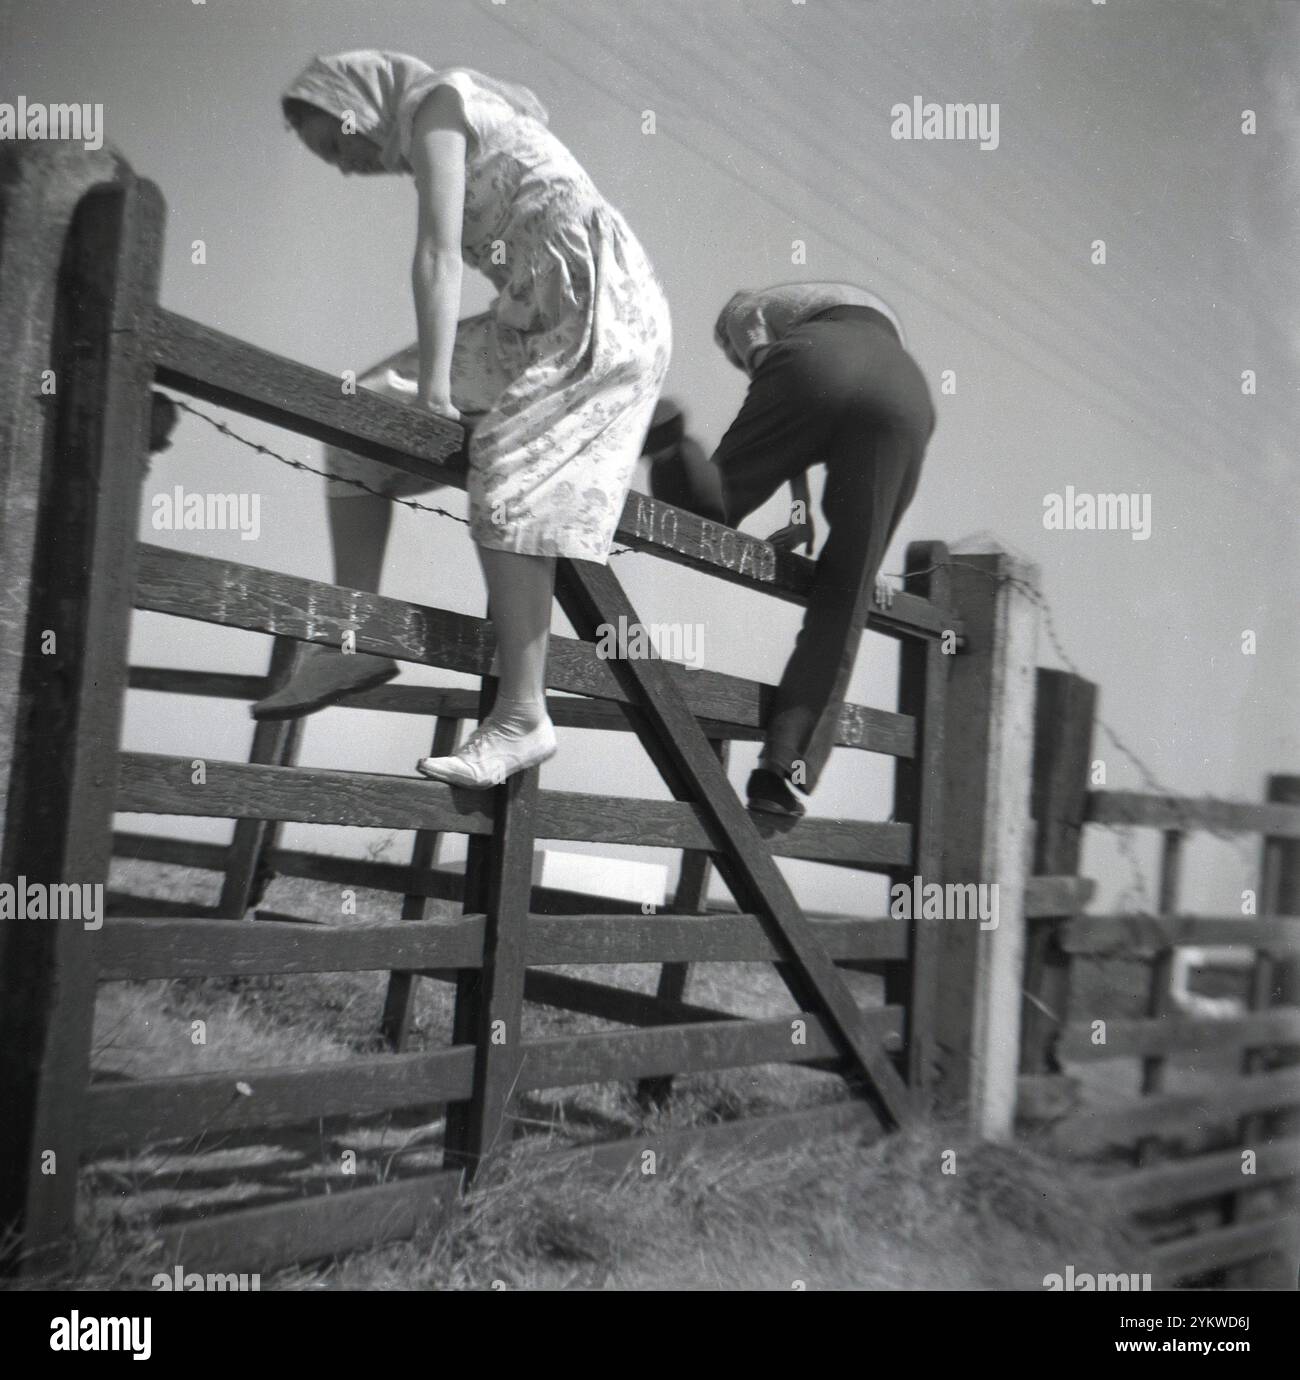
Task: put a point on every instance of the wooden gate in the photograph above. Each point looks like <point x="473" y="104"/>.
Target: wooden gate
<point x="79" y="254"/>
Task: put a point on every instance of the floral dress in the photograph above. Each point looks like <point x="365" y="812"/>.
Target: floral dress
<point x="565" y="365"/>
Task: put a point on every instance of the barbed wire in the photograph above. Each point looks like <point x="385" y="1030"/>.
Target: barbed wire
<point x="302" y="465"/>
<point x="1123" y="833"/>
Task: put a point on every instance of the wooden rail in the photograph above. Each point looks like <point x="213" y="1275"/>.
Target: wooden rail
<point x="233" y="374"/>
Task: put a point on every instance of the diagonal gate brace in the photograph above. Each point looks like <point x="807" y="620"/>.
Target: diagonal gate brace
<point x="590" y="595"/>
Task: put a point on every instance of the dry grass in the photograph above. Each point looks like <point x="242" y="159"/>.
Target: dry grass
<point x="929" y="1210"/>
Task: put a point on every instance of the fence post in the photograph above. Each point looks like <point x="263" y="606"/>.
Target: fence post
<point x="399" y="1000"/>
<point x="275" y="743"/>
<point x="918" y="798"/>
<point x="986" y="834"/>
<point x="1275" y="981"/>
<point x="690" y="897"/>
<point x="78" y="280"/>
<point x="1064" y="708"/>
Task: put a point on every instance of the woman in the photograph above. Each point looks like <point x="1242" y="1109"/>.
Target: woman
<point x="565" y="366"/>
<point x="830" y="383"/>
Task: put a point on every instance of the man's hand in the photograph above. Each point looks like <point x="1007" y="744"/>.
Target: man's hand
<point x="800" y="531"/>
<point x="884" y="596"/>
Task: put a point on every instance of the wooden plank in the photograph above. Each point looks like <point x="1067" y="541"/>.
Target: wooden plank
<point x="691" y="895"/>
<point x="399" y="999"/>
<point x="175" y="948"/>
<point x="1172" y="1115"/>
<point x="233" y="374"/>
<point x="257" y="383"/>
<point x="918" y="798"/>
<point x="1127" y="1039"/>
<point x="159" y="848"/>
<point x="986" y="835"/>
<point x="1160" y="997"/>
<point x="151" y="948"/>
<point x="216" y="684"/>
<point x="274" y="744"/>
<point x="122" y="903"/>
<point x="1192" y="812"/>
<point x="1200" y="1178"/>
<point x="1134" y="934"/>
<point x="1203" y="1252"/>
<point x="441" y="883"/>
<point x="619" y="1004"/>
<point x="241" y="596"/>
<point x="860" y="727"/>
<point x="684" y="538"/>
<point x="1057" y="896"/>
<point x="621" y="1055"/>
<point x="489" y="1002"/>
<point x="156" y="784"/>
<point x="715" y="938"/>
<point x="1064" y="708"/>
<point x="78" y="279"/>
<point x="627" y="1007"/>
<point x="590" y="596"/>
<point x="159" y="1110"/>
<point x="261" y="1239"/>
<point x="303" y="1229"/>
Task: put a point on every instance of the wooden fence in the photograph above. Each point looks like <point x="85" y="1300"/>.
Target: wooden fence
<point x="1199" y="1114"/>
<point x="86" y="341"/>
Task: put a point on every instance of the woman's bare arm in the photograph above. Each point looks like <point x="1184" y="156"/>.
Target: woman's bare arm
<point x="438" y="139"/>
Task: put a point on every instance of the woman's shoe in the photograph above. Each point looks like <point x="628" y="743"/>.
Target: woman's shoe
<point x="488" y="757"/>
<point x="768" y="794"/>
<point x="323" y="677"/>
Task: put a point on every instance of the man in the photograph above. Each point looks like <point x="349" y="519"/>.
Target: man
<point x="831" y="383"/>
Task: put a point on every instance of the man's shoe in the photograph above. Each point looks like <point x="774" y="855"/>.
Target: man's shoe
<point x="769" y="795"/>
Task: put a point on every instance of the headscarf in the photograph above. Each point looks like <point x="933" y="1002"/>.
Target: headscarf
<point x="374" y="85"/>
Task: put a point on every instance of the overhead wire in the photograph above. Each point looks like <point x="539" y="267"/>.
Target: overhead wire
<point x="1191" y="438"/>
<point x="1100" y="401"/>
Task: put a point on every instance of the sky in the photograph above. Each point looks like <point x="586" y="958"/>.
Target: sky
<point x="1119" y="122"/>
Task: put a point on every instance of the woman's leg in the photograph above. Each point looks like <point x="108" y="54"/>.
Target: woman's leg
<point x="359" y="539"/>
<point x="518" y="732"/>
<point x="322" y="675"/>
<point x="520" y="594"/>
